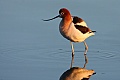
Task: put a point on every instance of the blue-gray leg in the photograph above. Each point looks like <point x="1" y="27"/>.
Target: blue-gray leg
<point x="86" y="47"/>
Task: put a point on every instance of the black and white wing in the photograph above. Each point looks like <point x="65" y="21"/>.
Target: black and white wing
<point x="81" y="25"/>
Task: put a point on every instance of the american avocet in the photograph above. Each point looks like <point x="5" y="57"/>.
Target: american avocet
<point x="73" y="28"/>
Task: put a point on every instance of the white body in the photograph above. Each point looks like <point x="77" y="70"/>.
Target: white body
<point x="73" y="34"/>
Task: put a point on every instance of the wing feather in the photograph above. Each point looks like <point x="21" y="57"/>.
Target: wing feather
<point x="81" y="25"/>
<point x="82" y="29"/>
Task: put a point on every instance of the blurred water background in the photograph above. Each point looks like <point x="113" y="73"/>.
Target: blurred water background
<point x="31" y="49"/>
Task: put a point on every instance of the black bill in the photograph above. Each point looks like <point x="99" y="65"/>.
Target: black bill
<point x="51" y="18"/>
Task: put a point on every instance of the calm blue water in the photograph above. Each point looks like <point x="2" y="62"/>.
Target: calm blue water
<point x="31" y="49"/>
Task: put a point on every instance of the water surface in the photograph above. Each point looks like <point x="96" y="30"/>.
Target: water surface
<point x="31" y="49"/>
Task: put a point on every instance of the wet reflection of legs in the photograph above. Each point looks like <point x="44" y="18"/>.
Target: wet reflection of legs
<point x="72" y="47"/>
<point x="86" y="61"/>
<point x="72" y="61"/>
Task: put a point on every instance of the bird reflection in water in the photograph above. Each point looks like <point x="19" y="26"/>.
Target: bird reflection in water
<point x="77" y="73"/>
<point x="86" y="61"/>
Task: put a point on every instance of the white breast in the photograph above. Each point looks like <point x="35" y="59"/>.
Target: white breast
<point x="73" y="34"/>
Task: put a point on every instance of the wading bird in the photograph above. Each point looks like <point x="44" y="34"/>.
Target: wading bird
<point x="73" y="28"/>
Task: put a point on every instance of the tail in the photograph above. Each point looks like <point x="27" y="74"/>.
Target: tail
<point x="92" y="31"/>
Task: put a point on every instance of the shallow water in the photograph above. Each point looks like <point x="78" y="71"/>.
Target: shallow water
<point x="31" y="49"/>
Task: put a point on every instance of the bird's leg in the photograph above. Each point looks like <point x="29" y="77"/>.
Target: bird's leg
<point x="72" y="62"/>
<point x="86" y="60"/>
<point x="86" y="48"/>
<point x="72" y="49"/>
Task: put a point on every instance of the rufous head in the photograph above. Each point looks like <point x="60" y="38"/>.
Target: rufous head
<point x="63" y="12"/>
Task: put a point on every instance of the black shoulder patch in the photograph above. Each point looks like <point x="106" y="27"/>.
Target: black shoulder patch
<point x="77" y="20"/>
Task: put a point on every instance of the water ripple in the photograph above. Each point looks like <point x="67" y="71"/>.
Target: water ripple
<point x="38" y="54"/>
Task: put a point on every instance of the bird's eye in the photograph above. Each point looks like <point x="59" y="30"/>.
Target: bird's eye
<point x="62" y="13"/>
